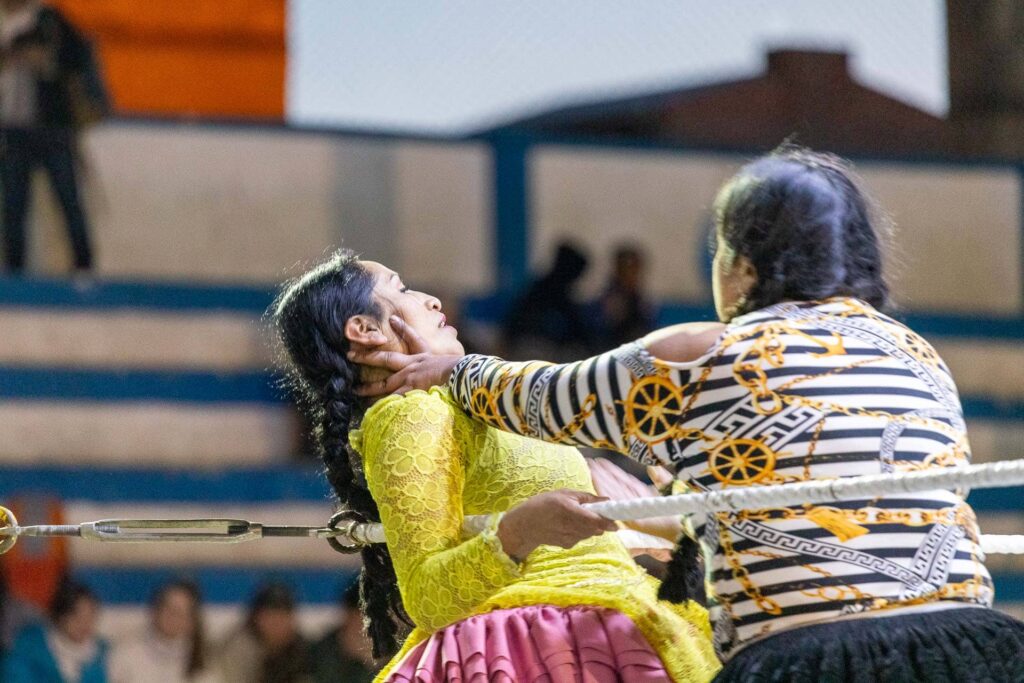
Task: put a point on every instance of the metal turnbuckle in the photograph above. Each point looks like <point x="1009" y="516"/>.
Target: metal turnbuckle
<point x="211" y="530"/>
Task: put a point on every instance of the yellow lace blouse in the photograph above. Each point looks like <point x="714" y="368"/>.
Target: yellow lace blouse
<point x="428" y="464"/>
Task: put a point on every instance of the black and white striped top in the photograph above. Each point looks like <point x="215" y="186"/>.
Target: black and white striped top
<point x="793" y="392"/>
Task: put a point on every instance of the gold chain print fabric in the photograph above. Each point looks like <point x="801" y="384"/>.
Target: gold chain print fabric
<point x="428" y="465"/>
<point x="791" y="393"/>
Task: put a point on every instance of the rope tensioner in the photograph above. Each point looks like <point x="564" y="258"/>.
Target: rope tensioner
<point x="214" y="530"/>
<point x="347" y="533"/>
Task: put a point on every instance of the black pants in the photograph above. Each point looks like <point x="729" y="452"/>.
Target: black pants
<point x="968" y="645"/>
<point x="52" y="148"/>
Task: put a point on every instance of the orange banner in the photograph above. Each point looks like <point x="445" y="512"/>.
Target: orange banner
<point x="219" y="58"/>
<point x="34" y="566"/>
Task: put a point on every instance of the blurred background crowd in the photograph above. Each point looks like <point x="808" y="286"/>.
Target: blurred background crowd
<point x="546" y="169"/>
<point x="64" y="643"/>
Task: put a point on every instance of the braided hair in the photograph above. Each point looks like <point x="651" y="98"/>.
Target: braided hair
<point x="309" y="316"/>
<point x="805" y="225"/>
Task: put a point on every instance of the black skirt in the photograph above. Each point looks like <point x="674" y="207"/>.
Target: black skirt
<point x="956" y="645"/>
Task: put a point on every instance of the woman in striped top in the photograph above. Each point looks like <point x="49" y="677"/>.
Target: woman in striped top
<point x="806" y="378"/>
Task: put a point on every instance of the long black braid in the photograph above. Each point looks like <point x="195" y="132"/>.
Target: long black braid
<point x="310" y="316"/>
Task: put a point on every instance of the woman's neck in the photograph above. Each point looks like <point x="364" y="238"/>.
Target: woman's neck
<point x="369" y="374"/>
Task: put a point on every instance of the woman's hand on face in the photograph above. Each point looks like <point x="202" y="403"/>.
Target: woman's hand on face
<point x="553" y="518"/>
<point x="418" y="369"/>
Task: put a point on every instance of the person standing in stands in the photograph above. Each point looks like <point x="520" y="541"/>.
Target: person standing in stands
<point x="68" y="650"/>
<point x="49" y="84"/>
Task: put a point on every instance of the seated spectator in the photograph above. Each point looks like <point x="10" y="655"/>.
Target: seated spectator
<point x="626" y="312"/>
<point x="268" y="648"/>
<point x="343" y="654"/>
<point x="547" y="320"/>
<point x="67" y="650"/>
<point x="173" y="648"/>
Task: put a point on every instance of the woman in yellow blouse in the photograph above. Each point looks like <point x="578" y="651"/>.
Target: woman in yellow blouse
<point x="523" y="601"/>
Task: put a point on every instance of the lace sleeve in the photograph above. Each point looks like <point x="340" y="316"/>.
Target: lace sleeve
<point x="415" y="471"/>
<point x="578" y="403"/>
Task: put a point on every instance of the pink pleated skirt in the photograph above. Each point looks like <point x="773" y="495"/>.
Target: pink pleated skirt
<point x="535" y="644"/>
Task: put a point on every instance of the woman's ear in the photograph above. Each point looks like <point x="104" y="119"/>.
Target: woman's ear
<point x="365" y="331"/>
<point x="745" y="274"/>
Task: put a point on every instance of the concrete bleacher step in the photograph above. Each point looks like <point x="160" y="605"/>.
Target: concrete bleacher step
<point x="145" y="434"/>
<point x="139" y="373"/>
<point x="122" y="372"/>
<point x="150" y="400"/>
<point x="137" y="338"/>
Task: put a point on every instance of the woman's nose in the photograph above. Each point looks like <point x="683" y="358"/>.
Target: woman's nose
<point x="433" y="303"/>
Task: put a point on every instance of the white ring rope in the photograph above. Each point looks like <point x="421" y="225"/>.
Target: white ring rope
<point x="990" y="475"/>
<point x="354" y="535"/>
<point x="1010" y="544"/>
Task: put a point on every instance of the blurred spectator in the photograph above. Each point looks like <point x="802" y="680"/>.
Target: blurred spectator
<point x="343" y="654"/>
<point x="625" y="311"/>
<point x="68" y="650"/>
<point x="15" y="614"/>
<point x="173" y="648"/>
<point x="546" y="321"/>
<point x="269" y="647"/>
<point x="49" y="83"/>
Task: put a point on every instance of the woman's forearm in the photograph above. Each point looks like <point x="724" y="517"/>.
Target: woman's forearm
<point x="575" y="403"/>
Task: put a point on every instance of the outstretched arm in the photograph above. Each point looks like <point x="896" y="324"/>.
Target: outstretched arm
<point x="622" y="400"/>
<point x="597" y="402"/>
<point x="577" y="403"/>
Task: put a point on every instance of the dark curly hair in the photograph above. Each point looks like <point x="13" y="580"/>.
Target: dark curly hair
<point x="309" y="316"/>
<point x="805" y="225"/>
<point x="65" y="599"/>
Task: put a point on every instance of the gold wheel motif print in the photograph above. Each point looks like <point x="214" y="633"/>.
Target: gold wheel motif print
<point x="741" y="462"/>
<point x="653" y="408"/>
<point x="485" y="405"/>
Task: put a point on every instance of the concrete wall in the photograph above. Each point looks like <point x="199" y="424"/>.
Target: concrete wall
<point x="254" y="205"/>
<point x="956" y="246"/>
<point x="957" y="240"/>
